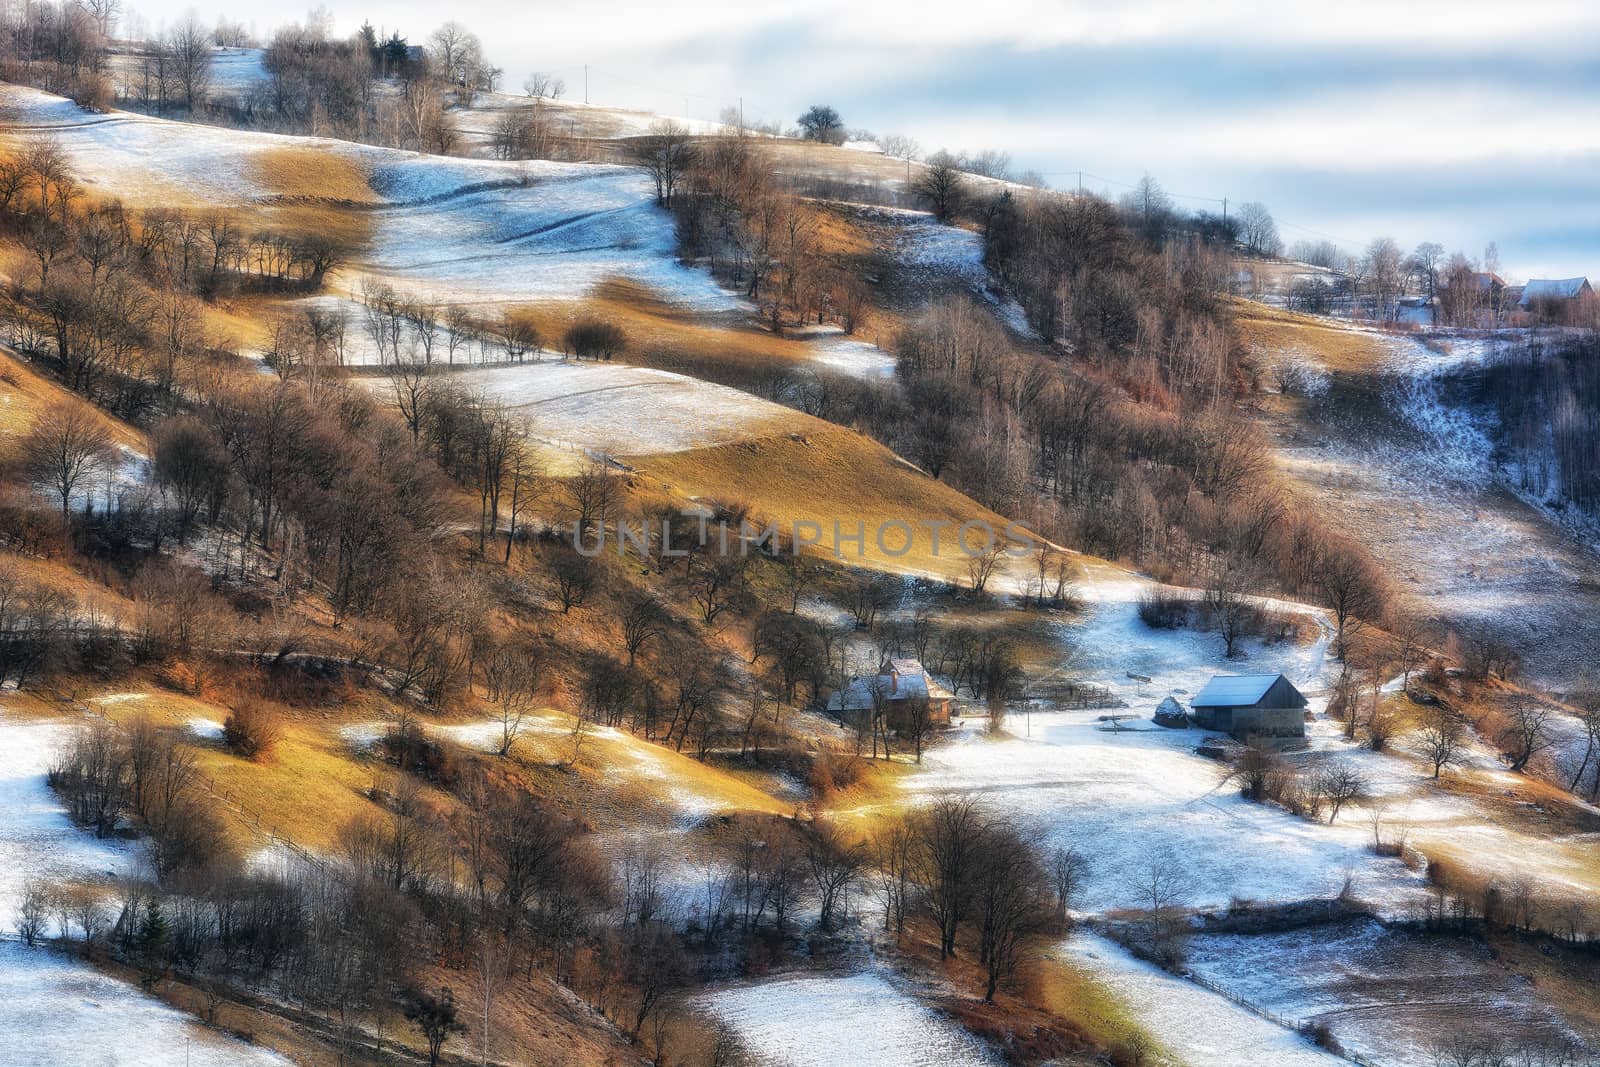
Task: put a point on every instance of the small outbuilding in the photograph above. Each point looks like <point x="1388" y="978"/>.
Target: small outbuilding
<point x="1266" y="705"/>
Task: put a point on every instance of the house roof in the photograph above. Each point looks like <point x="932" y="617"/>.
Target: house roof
<point x="913" y="682"/>
<point x="904" y="665"/>
<point x="1553" y="289"/>
<point x="1234" y="690"/>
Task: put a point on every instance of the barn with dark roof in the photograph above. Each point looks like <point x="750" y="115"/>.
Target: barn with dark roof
<point x="1267" y="705"/>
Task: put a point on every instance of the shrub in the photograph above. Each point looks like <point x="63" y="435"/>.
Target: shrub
<point x="251" y="730"/>
<point x="409" y="748"/>
<point x="591" y="338"/>
<point x="1321" y="1035"/>
<point x="180" y="677"/>
<point x="830" y="772"/>
<point x="1161" y="610"/>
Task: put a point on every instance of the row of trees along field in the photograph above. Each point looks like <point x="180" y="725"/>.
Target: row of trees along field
<point x="113" y="296"/>
<point x="500" y="884"/>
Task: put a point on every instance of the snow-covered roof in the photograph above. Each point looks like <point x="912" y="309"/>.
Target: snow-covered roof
<point x="1234" y="690"/>
<point x="1553" y="289"/>
<point x="910" y="681"/>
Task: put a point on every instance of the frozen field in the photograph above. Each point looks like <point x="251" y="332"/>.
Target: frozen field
<point x="1198" y="1027"/>
<point x="1386" y="994"/>
<point x="1142" y="796"/>
<point x="478" y="232"/>
<point x="625" y="410"/>
<point x="481" y="232"/>
<point x="817" y="1021"/>
<point x="57" y="1009"/>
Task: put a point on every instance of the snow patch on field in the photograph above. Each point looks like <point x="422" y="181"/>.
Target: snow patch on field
<point x="237" y="70"/>
<point x="37" y="840"/>
<point x="622" y="409"/>
<point x="1200" y="1028"/>
<point x="483" y="232"/>
<point x="1387" y="994"/>
<point x="816" y="1021"/>
<point x="57" y="1009"/>
<point x="859" y="359"/>
<point x="206" y="729"/>
<point x="1143" y="796"/>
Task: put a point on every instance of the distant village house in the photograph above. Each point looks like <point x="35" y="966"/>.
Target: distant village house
<point x="1556" y="300"/>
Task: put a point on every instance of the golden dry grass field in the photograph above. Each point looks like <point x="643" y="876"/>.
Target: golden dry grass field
<point x="833" y="477"/>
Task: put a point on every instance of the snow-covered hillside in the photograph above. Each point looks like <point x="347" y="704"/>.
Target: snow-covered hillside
<point x="1400" y="457"/>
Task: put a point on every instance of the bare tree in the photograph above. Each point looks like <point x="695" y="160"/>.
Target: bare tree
<point x="188" y="45"/>
<point x="821" y="122"/>
<point x="67" y="445"/>
<point x="1589" y="716"/>
<point x="1527" y="730"/>
<point x="644" y="618"/>
<point x="941" y="185"/>
<point x="1258" y="230"/>
<point x="1068" y="869"/>
<point x="1159" y="888"/>
<point x="1010" y="890"/>
<point x="1383" y="268"/>
<point x="981" y="564"/>
<point x="1340" y="784"/>
<point x="542" y="85"/>
<point x="1443" y="738"/>
<point x="434" y="1014"/>
<point x="512" y="677"/>
<point x="893" y="854"/>
<point x="1351" y="587"/>
<point x="944" y="859"/>
<point x="834" y="864"/>
<point x="664" y="154"/>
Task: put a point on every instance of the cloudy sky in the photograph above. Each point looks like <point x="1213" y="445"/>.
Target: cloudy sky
<point x="1463" y="122"/>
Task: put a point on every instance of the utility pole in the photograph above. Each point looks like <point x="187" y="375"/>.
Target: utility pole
<point x="1224" y="210"/>
<point x="586" y="83"/>
<point x="1080" y="183"/>
<point x="741" y="114"/>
